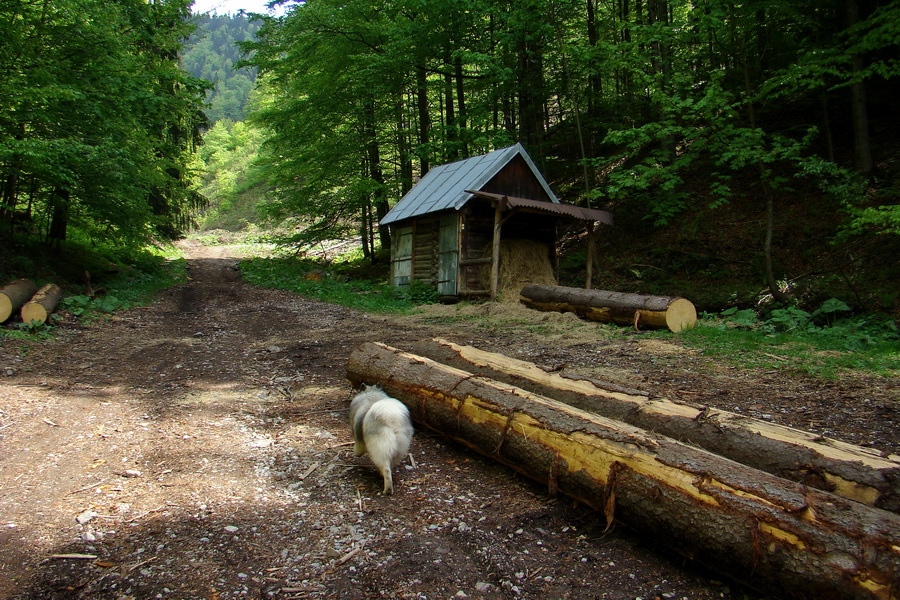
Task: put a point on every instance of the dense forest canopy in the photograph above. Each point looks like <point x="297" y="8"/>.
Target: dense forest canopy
<point x="211" y="54"/>
<point x="98" y="121"/>
<point x="654" y="109"/>
<point x="621" y="103"/>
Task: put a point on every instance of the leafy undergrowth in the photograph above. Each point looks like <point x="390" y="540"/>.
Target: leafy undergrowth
<point x="822" y="343"/>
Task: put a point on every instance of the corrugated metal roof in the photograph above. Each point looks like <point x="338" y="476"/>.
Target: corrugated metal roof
<point x="568" y="210"/>
<point x="444" y="187"/>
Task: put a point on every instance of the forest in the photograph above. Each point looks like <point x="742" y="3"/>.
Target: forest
<point x="211" y="53"/>
<point x="98" y="121"/>
<point x="673" y="115"/>
<point x="744" y="148"/>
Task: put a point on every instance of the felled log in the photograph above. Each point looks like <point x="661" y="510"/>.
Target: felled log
<point x="42" y="304"/>
<point x="767" y="531"/>
<point x="13" y="295"/>
<point x="851" y="471"/>
<point x="676" y="314"/>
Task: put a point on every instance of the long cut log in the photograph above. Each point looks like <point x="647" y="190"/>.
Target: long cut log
<point x="42" y="304"/>
<point x="13" y="295"/>
<point x="776" y="534"/>
<point x="851" y="471"/>
<point x="676" y="314"/>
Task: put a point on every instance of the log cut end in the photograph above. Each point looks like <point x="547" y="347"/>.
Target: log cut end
<point x="681" y="315"/>
<point x="14" y="295"/>
<point x="6" y="307"/>
<point x="39" y="308"/>
<point x="34" y="312"/>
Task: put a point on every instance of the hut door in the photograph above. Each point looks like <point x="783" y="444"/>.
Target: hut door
<point x="448" y="254"/>
<point x="401" y="256"/>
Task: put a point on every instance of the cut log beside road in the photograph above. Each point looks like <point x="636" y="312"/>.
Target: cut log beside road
<point x="676" y="314"/>
<point x="42" y="304"/>
<point x="857" y="473"/>
<point x="14" y="295"/>
<point x="777" y="534"/>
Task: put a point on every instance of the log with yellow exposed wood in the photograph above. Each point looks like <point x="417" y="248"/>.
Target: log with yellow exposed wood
<point x="676" y="314"/>
<point x="767" y="531"/>
<point x="857" y="473"/>
<point x="42" y="304"/>
<point x="13" y="295"/>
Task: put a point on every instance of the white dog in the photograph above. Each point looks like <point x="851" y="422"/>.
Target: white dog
<point x="382" y="427"/>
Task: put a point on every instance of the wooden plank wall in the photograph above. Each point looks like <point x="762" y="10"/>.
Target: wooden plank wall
<point x="426" y="238"/>
<point x="476" y="237"/>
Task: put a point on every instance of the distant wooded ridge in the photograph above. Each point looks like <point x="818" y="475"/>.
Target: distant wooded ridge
<point x="211" y="54"/>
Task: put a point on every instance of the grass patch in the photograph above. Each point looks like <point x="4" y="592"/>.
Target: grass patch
<point x="862" y="345"/>
<point x="332" y="282"/>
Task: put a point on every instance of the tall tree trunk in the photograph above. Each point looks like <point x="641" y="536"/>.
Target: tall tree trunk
<point x="8" y="198"/>
<point x="373" y="156"/>
<point x="452" y="147"/>
<point x="403" y="149"/>
<point x="424" y="120"/>
<point x="461" y="105"/>
<point x="365" y="230"/>
<point x="531" y="89"/>
<point x="595" y="84"/>
<point x="860" y="114"/>
<point x="772" y="284"/>
<point x="59" y="220"/>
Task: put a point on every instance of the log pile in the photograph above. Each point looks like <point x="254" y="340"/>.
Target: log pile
<point x="778" y="534"/>
<point x="676" y="314"/>
<point x="13" y="295"/>
<point x="857" y="473"/>
<point x="36" y="304"/>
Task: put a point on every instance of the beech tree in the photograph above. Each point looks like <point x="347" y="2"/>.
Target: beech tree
<point x="364" y="97"/>
<point x="97" y="120"/>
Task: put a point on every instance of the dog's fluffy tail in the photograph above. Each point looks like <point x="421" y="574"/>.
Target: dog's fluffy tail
<point x="387" y="431"/>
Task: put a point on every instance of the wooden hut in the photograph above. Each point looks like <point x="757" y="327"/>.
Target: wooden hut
<point x="448" y="230"/>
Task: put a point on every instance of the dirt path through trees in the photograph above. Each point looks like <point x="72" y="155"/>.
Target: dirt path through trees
<point x="197" y="448"/>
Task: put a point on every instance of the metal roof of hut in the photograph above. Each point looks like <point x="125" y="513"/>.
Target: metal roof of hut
<point x="451" y="185"/>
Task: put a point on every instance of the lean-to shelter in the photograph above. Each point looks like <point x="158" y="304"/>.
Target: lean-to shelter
<point x="448" y="230"/>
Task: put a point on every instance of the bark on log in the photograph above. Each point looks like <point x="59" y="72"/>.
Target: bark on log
<point x="677" y="314"/>
<point x="14" y="295"/>
<point x="776" y="534"/>
<point x="42" y="304"/>
<point x="854" y="472"/>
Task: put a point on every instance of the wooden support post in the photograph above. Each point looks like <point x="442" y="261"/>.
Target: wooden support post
<point x="495" y="248"/>
<point x="589" y="277"/>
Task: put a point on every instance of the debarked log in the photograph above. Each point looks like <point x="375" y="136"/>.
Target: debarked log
<point x="857" y="473"/>
<point x="777" y="534"/>
<point x="676" y="314"/>
<point x="42" y="304"/>
<point x="13" y="295"/>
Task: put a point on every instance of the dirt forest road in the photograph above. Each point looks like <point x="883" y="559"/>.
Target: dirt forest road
<point x="198" y="448"/>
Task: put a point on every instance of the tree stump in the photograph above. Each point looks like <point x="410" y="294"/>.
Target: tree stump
<point x="767" y="531"/>
<point x="676" y="314"/>
<point x="14" y="295"/>
<point x="42" y="304"/>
